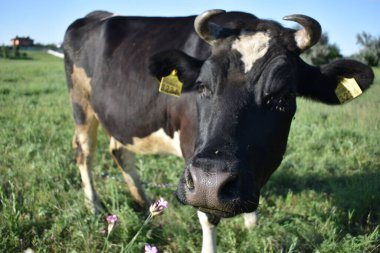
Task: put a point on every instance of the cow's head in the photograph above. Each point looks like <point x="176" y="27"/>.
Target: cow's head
<point x="246" y="101"/>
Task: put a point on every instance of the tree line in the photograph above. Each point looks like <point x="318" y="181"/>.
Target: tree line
<point x="12" y="53"/>
<point x="17" y="52"/>
<point x="324" y="52"/>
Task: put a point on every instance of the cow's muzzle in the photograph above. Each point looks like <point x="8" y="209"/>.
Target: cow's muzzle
<point x="219" y="192"/>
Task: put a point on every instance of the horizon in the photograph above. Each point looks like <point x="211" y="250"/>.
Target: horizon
<point x="46" y="22"/>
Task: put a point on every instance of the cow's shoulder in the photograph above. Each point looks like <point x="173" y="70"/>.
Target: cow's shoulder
<point x="80" y="31"/>
<point x="88" y="21"/>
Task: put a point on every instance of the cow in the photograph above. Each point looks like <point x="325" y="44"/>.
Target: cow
<point x="240" y="76"/>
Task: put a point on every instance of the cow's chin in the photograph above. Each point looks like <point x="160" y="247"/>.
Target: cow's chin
<point x="226" y="214"/>
<point x="218" y="213"/>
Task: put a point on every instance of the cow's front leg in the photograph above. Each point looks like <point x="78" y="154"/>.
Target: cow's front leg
<point x="250" y="220"/>
<point x="126" y="163"/>
<point x="209" y="224"/>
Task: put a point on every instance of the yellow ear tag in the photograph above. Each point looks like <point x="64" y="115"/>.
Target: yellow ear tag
<point x="347" y="89"/>
<point x="171" y="84"/>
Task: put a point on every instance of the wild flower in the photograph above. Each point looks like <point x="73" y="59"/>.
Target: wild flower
<point x="155" y="209"/>
<point x="111" y="220"/>
<point x="158" y="207"/>
<point x="150" y="249"/>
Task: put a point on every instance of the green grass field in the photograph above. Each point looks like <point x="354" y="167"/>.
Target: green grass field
<point x="325" y="197"/>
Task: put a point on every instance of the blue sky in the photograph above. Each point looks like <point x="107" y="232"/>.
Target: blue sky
<point x="46" y="21"/>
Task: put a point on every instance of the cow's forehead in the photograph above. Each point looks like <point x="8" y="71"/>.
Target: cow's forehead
<point x="252" y="46"/>
<point x="254" y="42"/>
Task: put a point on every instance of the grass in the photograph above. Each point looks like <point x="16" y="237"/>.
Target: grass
<point x="325" y="197"/>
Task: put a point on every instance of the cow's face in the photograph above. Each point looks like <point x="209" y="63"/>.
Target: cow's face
<point x="246" y="102"/>
<point x="244" y="120"/>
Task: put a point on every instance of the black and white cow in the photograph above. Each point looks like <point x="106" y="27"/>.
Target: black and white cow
<point x="241" y="76"/>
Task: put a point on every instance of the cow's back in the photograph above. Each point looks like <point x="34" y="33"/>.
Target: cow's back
<point x="112" y="54"/>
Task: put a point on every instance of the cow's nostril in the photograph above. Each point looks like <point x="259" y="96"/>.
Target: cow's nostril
<point x="189" y="180"/>
<point x="229" y="190"/>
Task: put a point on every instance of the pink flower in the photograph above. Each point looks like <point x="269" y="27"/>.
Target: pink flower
<point x="150" y="249"/>
<point x="158" y="206"/>
<point x="112" y="220"/>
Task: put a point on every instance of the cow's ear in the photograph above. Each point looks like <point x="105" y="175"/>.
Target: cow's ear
<point x="320" y="83"/>
<point x="187" y="67"/>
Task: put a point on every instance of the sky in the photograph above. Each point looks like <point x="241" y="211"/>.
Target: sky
<point x="45" y="21"/>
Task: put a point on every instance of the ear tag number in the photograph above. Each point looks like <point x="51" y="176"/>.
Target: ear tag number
<point x="171" y="84"/>
<point x="347" y="89"/>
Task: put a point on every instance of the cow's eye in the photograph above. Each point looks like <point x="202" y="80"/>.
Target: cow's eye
<point x="203" y="90"/>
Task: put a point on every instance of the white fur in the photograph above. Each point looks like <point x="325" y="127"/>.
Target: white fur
<point x="208" y="234"/>
<point x="250" y="220"/>
<point x="251" y="47"/>
<point x="156" y="143"/>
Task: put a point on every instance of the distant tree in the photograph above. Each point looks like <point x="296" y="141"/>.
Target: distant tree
<point x="12" y="53"/>
<point x="46" y="46"/>
<point x="16" y="51"/>
<point x="5" y="52"/>
<point x="370" y="51"/>
<point x="323" y="52"/>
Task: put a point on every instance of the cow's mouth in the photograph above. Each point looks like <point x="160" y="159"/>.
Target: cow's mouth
<point x="222" y="212"/>
<point x="218" y="213"/>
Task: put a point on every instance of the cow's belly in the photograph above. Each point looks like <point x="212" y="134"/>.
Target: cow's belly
<point x="156" y="143"/>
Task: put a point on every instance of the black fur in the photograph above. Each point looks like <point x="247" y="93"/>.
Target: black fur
<point x="162" y="64"/>
<point x="319" y="83"/>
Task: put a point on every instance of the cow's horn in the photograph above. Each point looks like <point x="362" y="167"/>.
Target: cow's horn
<point x="208" y="31"/>
<point x="309" y="35"/>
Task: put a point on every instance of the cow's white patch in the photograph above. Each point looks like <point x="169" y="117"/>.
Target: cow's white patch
<point x="157" y="143"/>
<point x="208" y="234"/>
<point x="251" y="47"/>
